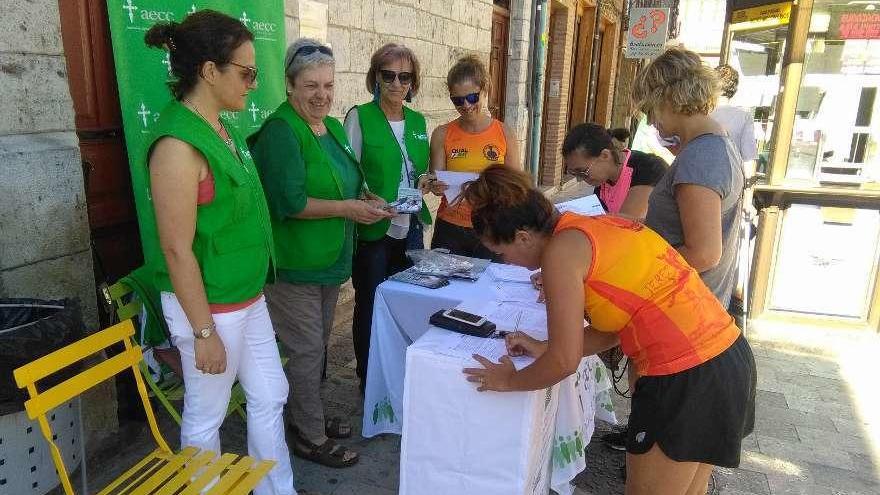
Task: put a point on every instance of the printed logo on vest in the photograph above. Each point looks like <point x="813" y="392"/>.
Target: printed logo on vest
<point x="421" y="137"/>
<point x="490" y="151"/>
<point x="458" y="153"/>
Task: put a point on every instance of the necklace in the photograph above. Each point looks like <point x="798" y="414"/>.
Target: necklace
<point x="227" y="140"/>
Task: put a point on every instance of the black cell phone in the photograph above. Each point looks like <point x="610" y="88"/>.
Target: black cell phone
<point x="462" y="322"/>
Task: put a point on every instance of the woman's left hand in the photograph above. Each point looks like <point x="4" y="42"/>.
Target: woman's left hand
<point x="494" y="376"/>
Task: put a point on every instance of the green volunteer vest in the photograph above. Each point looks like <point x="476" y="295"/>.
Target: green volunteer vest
<point x="382" y="159"/>
<point x="233" y="237"/>
<point x="311" y="243"/>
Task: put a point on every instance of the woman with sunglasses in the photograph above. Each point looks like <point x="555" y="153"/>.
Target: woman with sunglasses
<point x="216" y="241"/>
<point x="695" y="400"/>
<point x="390" y="140"/>
<point x="315" y="192"/>
<point x="470" y="143"/>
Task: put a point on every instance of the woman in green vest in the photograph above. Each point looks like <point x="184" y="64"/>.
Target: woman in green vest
<point x="216" y="241"/>
<point x="391" y="142"/>
<point x="316" y="195"/>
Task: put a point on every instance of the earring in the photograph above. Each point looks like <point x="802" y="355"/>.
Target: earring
<point x="376" y="92"/>
<point x="408" y="96"/>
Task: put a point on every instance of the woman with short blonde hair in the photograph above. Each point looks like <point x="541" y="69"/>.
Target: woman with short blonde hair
<point x="697" y="208"/>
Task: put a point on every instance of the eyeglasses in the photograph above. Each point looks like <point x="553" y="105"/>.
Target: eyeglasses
<point x="472" y="98"/>
<point x="579" y="174"/>
<point x="308" y="50"/>
<point x="388" y="76"/>
<point x="251" y="76"/>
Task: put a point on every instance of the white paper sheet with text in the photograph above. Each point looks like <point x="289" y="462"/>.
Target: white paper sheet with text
<point x="454" y="180"/>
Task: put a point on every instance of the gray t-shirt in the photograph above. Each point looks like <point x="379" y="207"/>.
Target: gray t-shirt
<point x="710" y="161"/>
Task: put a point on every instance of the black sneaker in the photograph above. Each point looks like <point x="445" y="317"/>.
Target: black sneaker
<point x="615" y="440"/>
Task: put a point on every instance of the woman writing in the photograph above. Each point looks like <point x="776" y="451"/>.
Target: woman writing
<point x="315" y="192"/>
<point x="694" y="401"/>
<point x="216" y="241"/>
<point x="622" y="178"/>
<point x="470" y="143"/>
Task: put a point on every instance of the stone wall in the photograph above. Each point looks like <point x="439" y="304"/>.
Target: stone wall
<point x="44" y="233"/>
<point x="438" y="31"/>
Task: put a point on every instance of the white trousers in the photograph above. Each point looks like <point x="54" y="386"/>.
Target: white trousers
<point x="252" y="357"/>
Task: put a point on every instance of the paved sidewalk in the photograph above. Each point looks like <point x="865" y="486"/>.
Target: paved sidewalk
<point x="817" y="432"/>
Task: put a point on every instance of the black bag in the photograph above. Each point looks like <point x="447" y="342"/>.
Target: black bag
<point x="29" y="329"/>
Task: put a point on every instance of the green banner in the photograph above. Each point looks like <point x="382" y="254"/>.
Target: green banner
<point x="142" y="74"/>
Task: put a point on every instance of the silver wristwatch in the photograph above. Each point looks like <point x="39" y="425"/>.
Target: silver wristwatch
<point x="205" y="332"/>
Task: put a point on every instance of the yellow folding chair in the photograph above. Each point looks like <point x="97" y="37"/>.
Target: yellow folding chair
<point x="118" y="295"/>
<point x="188" y="472"/>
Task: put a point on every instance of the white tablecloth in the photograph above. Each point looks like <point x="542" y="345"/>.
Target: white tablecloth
<point x="400" y="317"/>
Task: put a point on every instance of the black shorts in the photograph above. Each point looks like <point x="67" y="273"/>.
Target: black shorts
<point x="697" y="415"/>
<point x="460" y="240"/>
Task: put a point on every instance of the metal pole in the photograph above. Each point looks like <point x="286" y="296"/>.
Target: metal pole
<point x="539" y="56"/>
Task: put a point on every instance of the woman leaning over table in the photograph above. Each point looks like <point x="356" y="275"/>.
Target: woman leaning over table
<point x="470" y="143"/>
<point x="695" y="399"/>
<point x="216" y="241"/>
<point x="391" y="142"/>
<point x="315" y="192"/>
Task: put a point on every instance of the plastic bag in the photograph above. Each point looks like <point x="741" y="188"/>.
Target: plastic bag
<point x="440" y="263"/>
<point x="29" y="329"/>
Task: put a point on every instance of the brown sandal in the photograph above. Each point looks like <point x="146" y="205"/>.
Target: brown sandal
<point x="329" y="453"/>
<point x="337" y="427"/>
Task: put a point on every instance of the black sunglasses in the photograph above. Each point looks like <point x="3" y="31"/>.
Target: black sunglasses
<point x="472" y="98"/>
<point x="251" y="76"/>
<point x="388" y="76"/>
<point x="308" y="50"/>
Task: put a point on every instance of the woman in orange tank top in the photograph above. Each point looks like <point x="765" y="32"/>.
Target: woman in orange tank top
<point x="694" y="400"/>
<point x="470" y="143"/>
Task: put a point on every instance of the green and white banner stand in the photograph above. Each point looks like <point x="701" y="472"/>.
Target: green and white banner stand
<point x="142" y="74"/>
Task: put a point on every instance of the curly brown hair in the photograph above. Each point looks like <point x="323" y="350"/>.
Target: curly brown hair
<point x="503" y="201"/>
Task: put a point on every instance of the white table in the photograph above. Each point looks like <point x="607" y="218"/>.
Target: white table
<point x="400" y="317"/>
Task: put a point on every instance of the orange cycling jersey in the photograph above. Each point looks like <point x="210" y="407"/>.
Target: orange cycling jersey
<point x="469" y="152"/>
<point x="640" y="286"/>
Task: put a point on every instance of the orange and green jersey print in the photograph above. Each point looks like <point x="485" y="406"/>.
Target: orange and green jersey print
<point x="640" y="286"/>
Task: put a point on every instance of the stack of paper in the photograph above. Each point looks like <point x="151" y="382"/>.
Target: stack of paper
<point x="510" y="273"/>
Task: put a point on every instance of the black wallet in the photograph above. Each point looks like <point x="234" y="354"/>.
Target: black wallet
<point x="438" y="319"/>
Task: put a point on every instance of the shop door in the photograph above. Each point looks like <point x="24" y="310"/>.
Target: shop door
<point x="498" y="59"/>
<point x="112" y="219"/>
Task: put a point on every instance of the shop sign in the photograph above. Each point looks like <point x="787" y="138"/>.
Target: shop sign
<point x="646" y="36"/>
<point x="859" y="26"/>
<point x="775" y="14"/>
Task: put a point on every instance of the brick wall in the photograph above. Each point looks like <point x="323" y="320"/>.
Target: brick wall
<point x="561" y="38"/>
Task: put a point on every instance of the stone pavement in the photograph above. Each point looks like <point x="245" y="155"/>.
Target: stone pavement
<point x="817" y="432"/>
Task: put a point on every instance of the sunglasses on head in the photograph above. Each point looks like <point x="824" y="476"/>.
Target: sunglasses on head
<point x="472" y="98"/>
<point x="388" y="76"/>
<point x="251" y="76"/>
<point x="308" y="50"/>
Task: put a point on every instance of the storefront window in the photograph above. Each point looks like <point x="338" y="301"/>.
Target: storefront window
<point x="836" y="137"/>
<point x="757" y="55"/>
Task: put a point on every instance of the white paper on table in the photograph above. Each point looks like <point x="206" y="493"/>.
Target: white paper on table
<point x="587" y="205"/>
<point x="454" y="180"/>
<point x="510" y="273"/>
<point x="516" y="292"/>
<point x="514" y="316"/>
